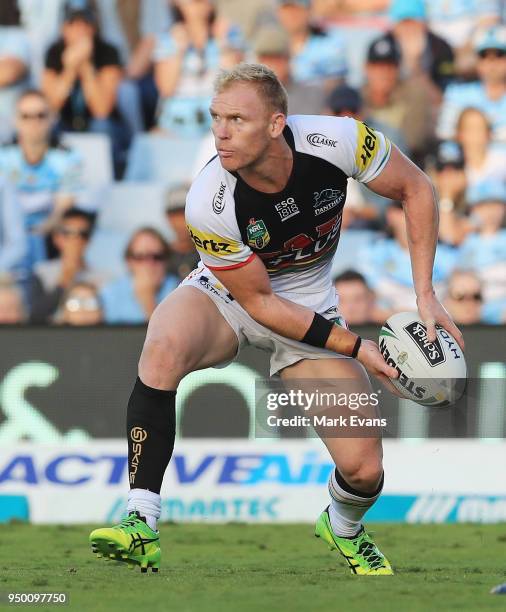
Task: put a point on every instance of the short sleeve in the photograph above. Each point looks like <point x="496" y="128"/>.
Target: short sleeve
<point x="357" y="149"/>
<point x="71" y="182"/>
<point x="165" y="47"/>
<point x="212" y="225"/>
<point x="53" y="57"/>
<point x="106" y="55"/>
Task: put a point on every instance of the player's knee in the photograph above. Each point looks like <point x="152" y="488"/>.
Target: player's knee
<point x="364" y="475"/>
<point x="163" y="362"/>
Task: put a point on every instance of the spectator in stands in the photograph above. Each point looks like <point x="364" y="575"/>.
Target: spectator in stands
<point x="484" y="251"/>
<point x="450" y="181"/>
<point x="272" y="48"/>
<point x="81" y="80"/>
<point x="132" y="26"/>
<point x="457" y="22"/>
<point x="464" y="298"/>
<point x="317" y="56"/>
<point x="482" y="161"/>
<point x="46" y="176"/>
<point x="184" y="257"/>
<point x="133" y="297"/>
<point x="14" y="64"/>
<point x="248" y="16"/>
<point x="402" y="105"/>
<point x="53" y="277"/>
<point x="12" y="307"/>
<point x="487" y="94"/>
<point x="13" y="239"/>
<point x="424" y="55"/>
<point x="187" y="58"/>
<point x="81" y="306"/>
<point x="357" y="302"/>
<point x="387" y="267"/>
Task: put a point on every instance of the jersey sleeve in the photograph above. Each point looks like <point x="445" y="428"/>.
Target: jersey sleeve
<point x="211" y="222"/>
<point x="357" y="149"/>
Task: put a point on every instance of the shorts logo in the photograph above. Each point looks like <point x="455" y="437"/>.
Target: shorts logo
<point x="432" y="351"/>
<point x="257" y="233"/>
<point x="320" y="140"/>
<point x="216" y="288"/>
<point x="326" y="200"/>
<point x="287" y="209"/>
<point x="219" y="199"/>
<point x="367" y="146"/>
<point x="212" y="243"/>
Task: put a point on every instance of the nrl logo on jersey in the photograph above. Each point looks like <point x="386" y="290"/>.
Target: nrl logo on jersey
<point x="219" y="199"/>
<point x="320" y="140"/>
<point x="257" y="233"/>
<point x="326" y="200"/>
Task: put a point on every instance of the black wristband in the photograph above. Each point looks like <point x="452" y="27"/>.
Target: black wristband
<point x="318" y="332"/>
<point x="356" y="348"/>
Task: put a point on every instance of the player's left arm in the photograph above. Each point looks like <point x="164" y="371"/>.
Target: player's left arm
<point x="402" y="180"/>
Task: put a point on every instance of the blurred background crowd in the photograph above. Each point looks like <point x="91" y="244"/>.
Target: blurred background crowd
<point x="104" y="122"/>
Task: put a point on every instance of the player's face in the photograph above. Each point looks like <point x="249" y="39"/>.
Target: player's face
<point x="241" y="126"/>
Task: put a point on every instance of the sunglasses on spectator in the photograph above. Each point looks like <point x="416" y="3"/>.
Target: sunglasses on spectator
<point x="462" y="297"/>
<point x="147" y="256"/>
<point x="76" y="304"/>
<point x="40" y="116"/>
<point x="492" y="53"/>
<point x="67" y="231"/>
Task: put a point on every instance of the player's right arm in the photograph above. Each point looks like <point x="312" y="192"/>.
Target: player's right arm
<point x="250" y="285"/>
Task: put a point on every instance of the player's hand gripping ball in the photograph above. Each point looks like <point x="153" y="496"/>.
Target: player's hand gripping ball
<point x="430" y="373"/>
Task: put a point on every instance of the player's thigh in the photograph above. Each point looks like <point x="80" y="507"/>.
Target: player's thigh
<point x="350" y="454"/>
<point x="186" y="332"/>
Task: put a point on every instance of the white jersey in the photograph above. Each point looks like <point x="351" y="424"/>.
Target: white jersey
<point x="295" y="231"/>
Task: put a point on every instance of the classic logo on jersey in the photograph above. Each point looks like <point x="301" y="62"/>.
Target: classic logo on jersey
<point x="432" y="351"/>
<point x="219" y="199"/>
<point x="287" y="209"/>
<point x="212" y="243"/>
<point x="326" y="200"/>
<point x="367" y="146"/>
<point x="320" y="140"/>
<point x="258" y="236"/>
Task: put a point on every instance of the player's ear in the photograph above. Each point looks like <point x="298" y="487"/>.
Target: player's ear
<point x="277" y="124"/>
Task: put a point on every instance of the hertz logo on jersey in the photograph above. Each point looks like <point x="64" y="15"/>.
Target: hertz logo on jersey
<point x="212" y="243"/>
<point x="367" y="146"/>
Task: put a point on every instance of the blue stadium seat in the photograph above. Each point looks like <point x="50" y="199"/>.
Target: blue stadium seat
<point x="125" y="207"/>
<point x="351" y="242"/>
<point x="105" y="251"/>
<point x="162" y="158"/>
<point x="96" y="152"/>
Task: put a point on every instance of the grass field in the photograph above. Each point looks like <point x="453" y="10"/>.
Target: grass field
<point x="245" y="568"/>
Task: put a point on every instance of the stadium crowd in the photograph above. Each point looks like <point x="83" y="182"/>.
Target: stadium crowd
<point x="104" y="121"/>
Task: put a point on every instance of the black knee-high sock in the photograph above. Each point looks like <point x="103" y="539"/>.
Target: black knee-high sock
<point x="151" y="430"/>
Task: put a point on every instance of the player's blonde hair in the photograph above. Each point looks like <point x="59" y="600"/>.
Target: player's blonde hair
<point x="262" y="77"/>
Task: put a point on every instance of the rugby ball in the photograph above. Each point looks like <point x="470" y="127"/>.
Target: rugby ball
<point x="430" y="373"/>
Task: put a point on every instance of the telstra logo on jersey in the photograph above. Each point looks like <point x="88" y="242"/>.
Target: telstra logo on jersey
<point x="327" y="199"/>
<point x="219" y="199"/>
<point x="257" y="234"/>
<point x="320" y="140"/>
